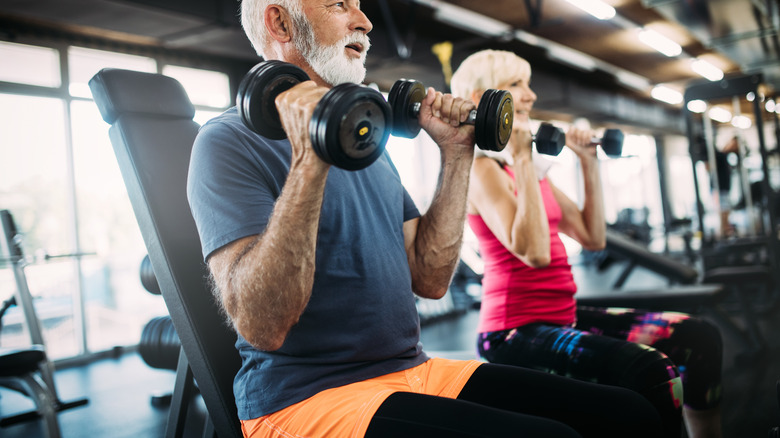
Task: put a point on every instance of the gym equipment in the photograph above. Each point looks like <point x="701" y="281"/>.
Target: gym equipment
<point x="492" y="119"/>
<point x="550" y="140"/>
<point x="29" y="370"/>
<point x="148" y="280"/>
<point x="747" y="265"/>
<point x="152" y="133"/>
<point x="159" y="346"/>
<point x="349" y="126"/>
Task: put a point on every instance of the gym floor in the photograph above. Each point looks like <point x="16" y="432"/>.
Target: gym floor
<point x="120" y="389"/>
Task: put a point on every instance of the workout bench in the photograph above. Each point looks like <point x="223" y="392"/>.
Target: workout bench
<point x="689" y="295"/>
<point x="152" y="133"/>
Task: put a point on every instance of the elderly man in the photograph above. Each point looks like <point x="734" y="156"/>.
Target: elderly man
<point x="316" y="267"/>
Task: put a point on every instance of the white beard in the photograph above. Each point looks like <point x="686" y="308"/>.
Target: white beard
<point x="331" y="63"/>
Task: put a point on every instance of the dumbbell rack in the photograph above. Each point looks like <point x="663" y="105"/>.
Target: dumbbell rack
<point x="10" y="246"/>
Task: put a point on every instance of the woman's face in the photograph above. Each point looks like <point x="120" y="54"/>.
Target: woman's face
<point x="523" y="98"/>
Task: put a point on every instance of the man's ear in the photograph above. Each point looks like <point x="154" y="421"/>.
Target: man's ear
<point x="277" y="22"/>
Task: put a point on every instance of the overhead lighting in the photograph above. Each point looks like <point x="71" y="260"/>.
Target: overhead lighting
<point x="741" y="122"/>
<point x="469" y="20"/>
<point x="751" y="96"/>
<point x="719" y="114"/>
<point x="770" y="106"/>
<point x="659" y="42"/>
<point x="597" y="8"/>
<point x="707" y="70"/>
<point x="666" y="94"/>
<point x="697" y="106"/>
<point x="527" y="38"/>
<point x="634" y="81"/>
<point x="571" y="57"/>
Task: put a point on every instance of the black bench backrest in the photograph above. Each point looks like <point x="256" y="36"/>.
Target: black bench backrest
<point x="152" y="133"/>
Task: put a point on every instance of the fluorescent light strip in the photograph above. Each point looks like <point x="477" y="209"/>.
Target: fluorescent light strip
<point x="706" y="70"/>
<point x="741" y="122"/>
<point x="719" y="114"/>
<point x="632" y="80"/>
<point x="659" y="42"/>
<point x="666" y="94"/>
<point x="597" y="8"/>
<point x="469" y="20"/>
<point x="571" y="57"/>
<point x="697" y="106"/>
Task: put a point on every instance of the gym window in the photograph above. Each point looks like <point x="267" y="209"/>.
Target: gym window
<point x="60" y="181"/>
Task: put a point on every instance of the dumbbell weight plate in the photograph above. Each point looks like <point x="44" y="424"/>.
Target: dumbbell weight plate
<point x="404" y="94"/>
<point x="612" y="143"/>
<point x="349" y="126"/>
<point x="257" y="92"/>
<point x="495" y="115"/>
<point x="549" y="139"/>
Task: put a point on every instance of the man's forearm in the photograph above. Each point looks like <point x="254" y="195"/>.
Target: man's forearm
<point x="440" y="231"/>
<point x="270" y="280"/>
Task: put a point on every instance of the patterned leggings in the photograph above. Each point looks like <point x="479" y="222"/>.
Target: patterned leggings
<point x="653" y="353"/>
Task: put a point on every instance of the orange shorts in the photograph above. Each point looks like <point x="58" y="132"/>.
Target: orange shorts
<point x="346" y="411"/>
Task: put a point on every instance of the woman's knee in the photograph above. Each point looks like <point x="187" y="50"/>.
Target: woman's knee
<point x="646" y="371"/>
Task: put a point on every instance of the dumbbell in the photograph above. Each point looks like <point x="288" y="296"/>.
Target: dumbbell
<point x="550" y="140"/>
<point x="349" y="126"/>
<point x="492" y="119"/>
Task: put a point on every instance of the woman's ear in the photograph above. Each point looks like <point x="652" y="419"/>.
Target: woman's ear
<point x="277" y="22"/>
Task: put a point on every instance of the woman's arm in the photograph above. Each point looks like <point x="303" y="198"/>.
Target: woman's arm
<point x="518" y="221"/>
<point x="587" y="225"/>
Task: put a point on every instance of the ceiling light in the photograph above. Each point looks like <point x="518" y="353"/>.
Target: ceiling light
<point x="666" y="94"/>
<point x="707" y="70"/>
<point x="659" y="42"/>
<point x="597" y="8"/>
<point x="571" y="57"/>
<point x="632" y="80"/>
<point x="770" y="105"/>
<point x="697" y="106"/>
<point x="741" y="122"/>
<point x="719" y="114"/>
<point x="469" y="20"/>
<point x="751" y="96"/>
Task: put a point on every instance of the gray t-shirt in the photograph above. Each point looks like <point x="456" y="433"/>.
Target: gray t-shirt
<point x="361" y="321"/>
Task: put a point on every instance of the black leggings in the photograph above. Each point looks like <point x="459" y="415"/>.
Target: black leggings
<point x="501" y="401"/>
<point x="611" y="347"/>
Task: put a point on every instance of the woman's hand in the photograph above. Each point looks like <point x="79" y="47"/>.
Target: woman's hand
<point x="580" y="141"/>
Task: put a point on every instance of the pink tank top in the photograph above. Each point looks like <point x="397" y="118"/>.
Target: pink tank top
<point x="515" y="294"/>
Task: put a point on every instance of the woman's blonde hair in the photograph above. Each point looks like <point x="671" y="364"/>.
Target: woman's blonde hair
<point x="488" y="69"/>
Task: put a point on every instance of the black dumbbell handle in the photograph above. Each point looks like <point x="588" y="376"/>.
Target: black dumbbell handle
<point x="470" y="120"/>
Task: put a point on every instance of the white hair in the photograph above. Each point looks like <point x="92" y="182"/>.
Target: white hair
<point x="253" y="23"/>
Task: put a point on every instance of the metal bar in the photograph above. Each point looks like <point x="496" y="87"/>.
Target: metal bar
<point x="691" y="141"/>
<point x="183" y="391"/>
<point x="400" y="47"/>
<point x="712" y="163"/>
<point x="744" y="179"/>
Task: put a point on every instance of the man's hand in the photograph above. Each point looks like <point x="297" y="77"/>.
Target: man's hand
<point x="442" y="115"/>
<point x="296" y="107"/>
